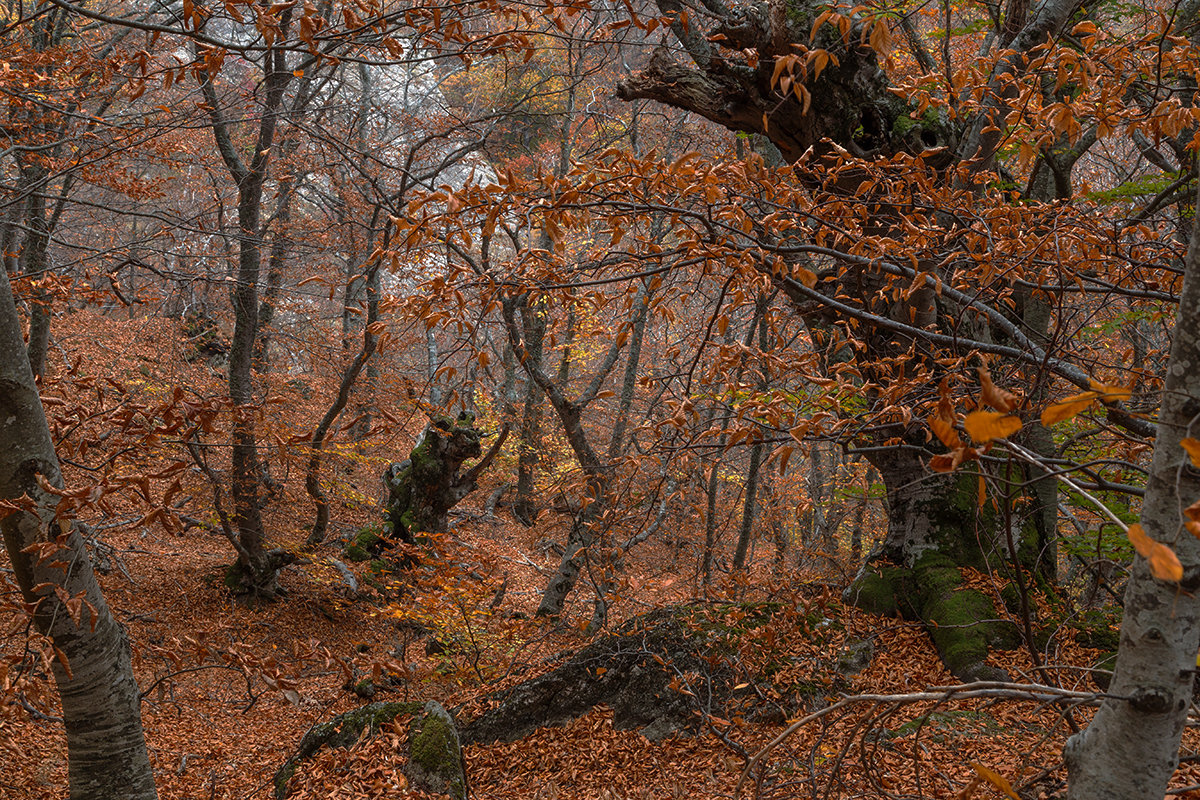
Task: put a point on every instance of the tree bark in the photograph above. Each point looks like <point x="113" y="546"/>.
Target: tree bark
<point x="101" y="705"/>
<point x="1132" y="746"/>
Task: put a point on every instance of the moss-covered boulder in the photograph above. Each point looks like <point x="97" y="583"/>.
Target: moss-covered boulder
<point x="364" y="545"/>
<point x="434" y="758"/>
<point x="341" y="731"/>
<point x="435" y="762"/>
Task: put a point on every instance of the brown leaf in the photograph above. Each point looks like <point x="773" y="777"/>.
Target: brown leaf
<point x="993" y="395"/>
<point x="1192" y="447"/>
<point x="1110" y="394"/>
<point x="997" y="780"/>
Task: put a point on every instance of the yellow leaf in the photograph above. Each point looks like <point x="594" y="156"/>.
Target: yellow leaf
<point x="1193" y="450"/>
<point x="982" y="491"/>
<point x="1068" y="408"/>
<point x="997" y="780"/>
<point x="983" y="426"/>
<point x="1164" y="564"/>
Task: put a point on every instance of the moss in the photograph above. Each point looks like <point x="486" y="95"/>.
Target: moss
<point x="1011" y="595"/>
<point x="962" y="622"/>
<point x="876" y="588"/>
<point x="364" y="544"/>
<point x="435" y="756"/>
<point x="963" y="722"/>
<point x="1102" y="670"/>
<point x="1098" y="629"/>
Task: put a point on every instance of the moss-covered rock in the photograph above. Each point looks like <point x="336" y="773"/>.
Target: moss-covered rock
<point x="364" y="545"/>
<point x="341" y="731"/>
<point x="435" y="761"/>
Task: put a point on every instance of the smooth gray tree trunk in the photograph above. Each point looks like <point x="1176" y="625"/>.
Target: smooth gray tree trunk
<point x="1132" y="746"/>
<point x="101" y="705"/>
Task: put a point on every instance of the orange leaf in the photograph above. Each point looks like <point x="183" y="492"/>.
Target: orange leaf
<point x="997" y="780"/>
<point x="1193" y="450"/>
<point x="944" y="430"/>
<point x="805" y="276"/>
<point x="983" y="426"/>
<point x="982" y="491"/>
<point x="1164" y="564"/>
<point x="993" y="395"/>
<point x="1068" y="408"/>
<point x="1110" y="394"/>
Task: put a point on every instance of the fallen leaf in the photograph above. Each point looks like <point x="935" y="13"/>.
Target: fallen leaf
<point x="997" y="780"/>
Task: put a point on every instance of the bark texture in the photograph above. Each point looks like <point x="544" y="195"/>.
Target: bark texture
<point x="1141" y="726"/>
<point x="101" y="705"/>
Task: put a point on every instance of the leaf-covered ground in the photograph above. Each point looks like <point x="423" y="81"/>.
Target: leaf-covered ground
<point x="231" y="689"/>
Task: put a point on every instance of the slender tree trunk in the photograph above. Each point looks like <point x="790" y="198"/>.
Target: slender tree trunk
<point x="629" y="381"/>
<point x="101" y="705"/>
<point x="756" y="450"/>
<point x="312" y="478"/>
<point x="1132" y="746"/>
<point x="529" y="448"/>
<point x="34" y="262"/>
<point x="748" y="505"/>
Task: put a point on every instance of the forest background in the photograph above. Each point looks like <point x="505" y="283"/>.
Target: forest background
<point x="868" y="333"/>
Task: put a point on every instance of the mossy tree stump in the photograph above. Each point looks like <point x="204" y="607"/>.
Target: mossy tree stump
<point x="423" y="488"/>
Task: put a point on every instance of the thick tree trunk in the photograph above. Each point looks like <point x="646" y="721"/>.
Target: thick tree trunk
<point x="1132" y="746"/>
<point x="936" y="527"/>
<point x="101" y="705"/>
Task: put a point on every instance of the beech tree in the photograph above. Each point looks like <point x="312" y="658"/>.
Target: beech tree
<point x="101" y="705"/>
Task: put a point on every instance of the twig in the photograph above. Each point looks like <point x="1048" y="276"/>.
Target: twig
<point x="967" y="691"/>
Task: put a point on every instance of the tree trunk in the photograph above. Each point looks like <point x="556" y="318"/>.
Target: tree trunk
<point x="1132" y="746"/>
<point x="528" y="449"/>
<point x="935" y="527"/>
<point x="641" y="311"/>
<point x="101" y="705"/>
<point x="312" y="478"/>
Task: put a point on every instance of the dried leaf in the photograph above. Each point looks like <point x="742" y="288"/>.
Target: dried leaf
<point x="993" y="395"/>
<point x="997" y="780"/>
<point x="984" y="426"/>
<point x="1164" y="564"/>
<point x="944" y="430"/>
<point x="1068" y="408"/>
<point x="1192" y="447"/>
<point x="1110" y="394"/>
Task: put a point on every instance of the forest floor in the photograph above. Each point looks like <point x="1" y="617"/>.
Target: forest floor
<point x="230" y="689"/>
